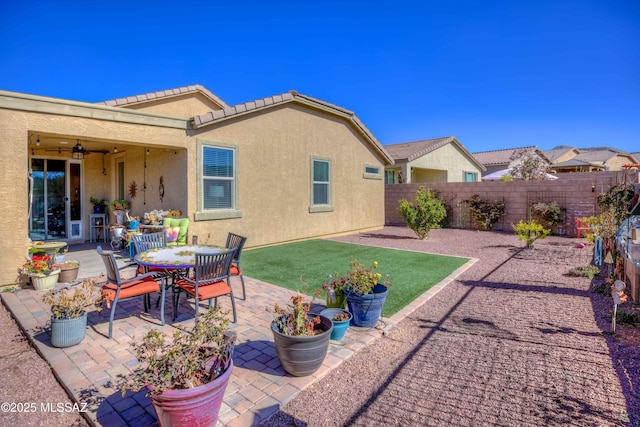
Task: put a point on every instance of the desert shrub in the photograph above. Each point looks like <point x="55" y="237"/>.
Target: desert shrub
<point x="547" y="214"/>
<point x="617" y="202"/>
<point x="589" y="271"/>
<point x="486" y="212"/>
<point x="530" y="231"/>
<point x="427" y="213"/>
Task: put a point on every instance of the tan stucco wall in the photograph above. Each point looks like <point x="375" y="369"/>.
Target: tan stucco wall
<point x="274" y="177"/>
<point x="189" y="105"/>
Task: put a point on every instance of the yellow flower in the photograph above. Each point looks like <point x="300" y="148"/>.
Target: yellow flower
<point x="375" y="263"/>
<point x="377" y="275"/>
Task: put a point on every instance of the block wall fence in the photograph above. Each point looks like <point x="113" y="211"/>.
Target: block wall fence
<point x="575" y="193"/>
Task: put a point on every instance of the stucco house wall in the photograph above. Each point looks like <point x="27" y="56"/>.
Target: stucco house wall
<point x="274" y="148"/>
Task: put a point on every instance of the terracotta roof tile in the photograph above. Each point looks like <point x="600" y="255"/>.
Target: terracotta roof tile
<point x="120" y="102"/>
<point x="292" y="96"/>
<point x="499" y="157"/>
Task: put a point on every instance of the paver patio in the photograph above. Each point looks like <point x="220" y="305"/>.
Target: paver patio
<point x="258" y="385"/>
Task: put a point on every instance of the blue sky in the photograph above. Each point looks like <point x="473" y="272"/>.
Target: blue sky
<point x="496" y="74"/>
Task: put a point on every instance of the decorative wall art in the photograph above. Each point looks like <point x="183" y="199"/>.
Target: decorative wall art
<point x="133" y="189"/>
<point x="161" y="189"/>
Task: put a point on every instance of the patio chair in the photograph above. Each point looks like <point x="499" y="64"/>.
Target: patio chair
<point x="237" y="242"/>
<point x="581" y="225"/>
<point x="210" y="281"/>
<point x="144" y="242"/>
<point x="117" y="289"/>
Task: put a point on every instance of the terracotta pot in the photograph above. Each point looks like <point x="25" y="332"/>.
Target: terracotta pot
<point x="68" y="275"/>
<point x="192" y="407"/>
<point x="302" y="355"/>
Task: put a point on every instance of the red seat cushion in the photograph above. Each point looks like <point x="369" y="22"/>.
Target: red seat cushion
<point x="235" y="270"/>
<point x="208" y="291"/>
<point x="143" y="286"/>
<point x="143" y="269"/>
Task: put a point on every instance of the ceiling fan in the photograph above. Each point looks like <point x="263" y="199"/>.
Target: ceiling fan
<point x="77" y="151"/>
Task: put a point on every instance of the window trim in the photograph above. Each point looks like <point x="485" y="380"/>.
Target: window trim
<point x="202" y="214"/>
<point x="325" y="207"/>
<point x="370" y="175"/>
<point x="464" y="176"/>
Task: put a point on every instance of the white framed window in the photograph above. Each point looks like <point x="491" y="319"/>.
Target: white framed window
<point x="372" y="172"/>
<point x="217" y="181"/>
<point x="320" y="185"/>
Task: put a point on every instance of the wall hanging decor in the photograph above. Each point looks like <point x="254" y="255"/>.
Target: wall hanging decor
<point x="133" y="189"/>
<point x="161" y="189"/>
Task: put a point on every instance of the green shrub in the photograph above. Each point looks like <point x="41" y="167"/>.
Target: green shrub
<point x="589" y="271"/>
<point x="547" y="214"/>
<point x="530" y="231"/>
<point x="427" y="213"/>
<point x="486" y="212"/>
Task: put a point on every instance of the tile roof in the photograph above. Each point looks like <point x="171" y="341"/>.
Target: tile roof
<point x="408" y="151"/>
<point x="250" y="107"/>
<point x="556" y="152"/>
<point x="129" y="100"/>
<point x="500" y="157"/>
<point x="596" y="155"/>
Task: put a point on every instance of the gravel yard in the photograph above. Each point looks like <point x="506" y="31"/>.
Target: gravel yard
<point x="513" y="341"/>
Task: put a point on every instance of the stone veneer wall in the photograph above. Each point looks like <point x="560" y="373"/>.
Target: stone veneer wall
<point x="573" y="192"/>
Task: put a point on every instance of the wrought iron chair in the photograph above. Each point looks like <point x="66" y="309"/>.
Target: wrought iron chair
<point x="118" y="289"/>
<point x="210" y="280"/>
<point x="237" y="242"/>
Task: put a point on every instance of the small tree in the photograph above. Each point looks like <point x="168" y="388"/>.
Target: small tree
<point x="530" y="231"/>
<point x="427" y="213"/>
<point x="530" y="166"/>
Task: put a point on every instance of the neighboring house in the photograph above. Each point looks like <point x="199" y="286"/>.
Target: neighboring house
<point x="499" y="160"/>
<point x="431" y="160"/>
<point x="277" y="169"/>
<point x="571" y="159"/>
<point x="636" y="156"/>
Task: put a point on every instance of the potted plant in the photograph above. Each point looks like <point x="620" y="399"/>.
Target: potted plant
<point x="334" y="289"/>
<point x="69" y="317"/>
<point x="98" y="204"/>
<point x="68" y="271"/>
<point x="186" y="377"/>
<point x="301" y="340"/>
<point x="340" y="319"/>
<point x="41" y="270"/>
<point x="365" y="294"/>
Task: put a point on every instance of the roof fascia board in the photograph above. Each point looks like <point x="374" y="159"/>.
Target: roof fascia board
<point x="64" y="107"/>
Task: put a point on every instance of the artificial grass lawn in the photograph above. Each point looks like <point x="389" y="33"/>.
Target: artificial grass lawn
<point x="410" y="273"/>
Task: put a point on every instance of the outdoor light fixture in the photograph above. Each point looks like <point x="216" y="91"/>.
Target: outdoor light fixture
<point x="115" y="149"/>
<point x="38" y="141"/>
<point x="77" y="152"/>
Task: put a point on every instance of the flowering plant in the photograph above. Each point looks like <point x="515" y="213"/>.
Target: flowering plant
<point x="38" y="264"/>
<point x="362" y="279"/>
<point x="295" y="320"/>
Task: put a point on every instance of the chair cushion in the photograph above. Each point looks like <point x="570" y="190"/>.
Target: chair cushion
<point x="142" y="286"/>
<point x="212" y="290"/>
<point x="171" y="234"/>
<point x="183" y="224"/>
<point x="142" y="269"/>
<point x="235" y="270"/>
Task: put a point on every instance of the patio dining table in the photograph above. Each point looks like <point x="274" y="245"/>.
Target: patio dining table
<point x="175" y="257"/>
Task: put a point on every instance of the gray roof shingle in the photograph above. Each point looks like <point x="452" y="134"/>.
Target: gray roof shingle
<point x="121" y="102"/>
